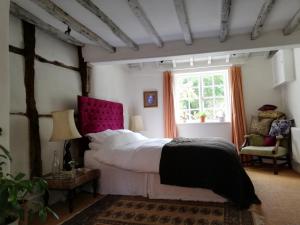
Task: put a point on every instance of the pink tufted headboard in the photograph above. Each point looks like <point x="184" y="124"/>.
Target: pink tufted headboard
<point x="97" y="115"/>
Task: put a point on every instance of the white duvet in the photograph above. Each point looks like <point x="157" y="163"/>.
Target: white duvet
<point x="130" y="151"/>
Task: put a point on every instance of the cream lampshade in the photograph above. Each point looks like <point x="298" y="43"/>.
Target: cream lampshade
<point x="136" y="123"/>
<point x="64" y="129"/>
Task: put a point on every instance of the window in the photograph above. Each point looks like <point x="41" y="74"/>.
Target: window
<point x="203" y="92"/>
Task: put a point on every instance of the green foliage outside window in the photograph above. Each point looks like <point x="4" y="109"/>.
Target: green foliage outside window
<point x="201" y="93"/>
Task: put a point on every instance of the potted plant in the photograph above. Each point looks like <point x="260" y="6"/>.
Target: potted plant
<point x="13" y="193"/>
<point x="202" y="117"/>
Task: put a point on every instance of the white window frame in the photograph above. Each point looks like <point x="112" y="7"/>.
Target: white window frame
<point x="200" y="75"/>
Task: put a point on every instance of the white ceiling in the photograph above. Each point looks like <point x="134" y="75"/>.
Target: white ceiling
<point x="204" y="17"/>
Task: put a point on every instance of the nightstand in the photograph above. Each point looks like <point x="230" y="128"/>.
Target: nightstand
<point x="82" y="177"/>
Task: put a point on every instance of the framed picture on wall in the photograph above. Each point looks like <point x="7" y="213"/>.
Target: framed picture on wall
<point x="150" y="99"/>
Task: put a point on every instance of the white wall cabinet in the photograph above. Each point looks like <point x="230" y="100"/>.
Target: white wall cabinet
<point x="283" y="67"/>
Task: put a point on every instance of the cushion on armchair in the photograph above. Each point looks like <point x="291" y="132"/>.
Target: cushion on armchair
<point x="267" y="107"/>
<point x="269" y="141"/>
<point x="263" y="151"/>
<point x="271" y="114"/>
<point x="280" y="127"/>
<point x="260" y="126"/>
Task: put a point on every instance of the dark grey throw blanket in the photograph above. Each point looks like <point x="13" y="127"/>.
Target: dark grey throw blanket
<point x="211" y="163"/>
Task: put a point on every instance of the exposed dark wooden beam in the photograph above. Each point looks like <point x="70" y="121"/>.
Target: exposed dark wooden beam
<point x="24" y="114"/>
<point x="31" y="111"/>
<point x="292" y="24"/>
<point x="89" y="5"/>
<point x="65" y="18"/>
<point x="16" y="50"/>
<point x="22" y="14"/>
<point x="263" y="14"/>
<point x="85" y="81"/>
<point x="271" y="54"/>
<point x="183" y="21"/>
<point x="56" y="63"/>
<point x="225" y="20"/>
<point x="138" y="11"/>
<point x="18" y="114"/>
<point x="20" y="51"/>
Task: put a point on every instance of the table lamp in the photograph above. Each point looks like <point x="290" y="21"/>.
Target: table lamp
<point x="64" y="129"/>
<point x="136" y="123"/>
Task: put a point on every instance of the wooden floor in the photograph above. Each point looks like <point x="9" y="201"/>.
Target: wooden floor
<point x="280" y="196"/>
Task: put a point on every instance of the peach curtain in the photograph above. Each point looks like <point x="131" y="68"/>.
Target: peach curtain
<point x="170" y="130"/>
<point x="238" y="116"/>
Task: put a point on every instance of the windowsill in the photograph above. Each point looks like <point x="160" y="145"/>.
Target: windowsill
<point x="208" y="122"/>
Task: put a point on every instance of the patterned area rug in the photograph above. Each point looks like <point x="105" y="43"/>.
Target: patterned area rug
<point x="129" y="210"/>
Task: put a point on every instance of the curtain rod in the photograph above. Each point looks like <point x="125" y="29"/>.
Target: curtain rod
<point x="204" y="67"/>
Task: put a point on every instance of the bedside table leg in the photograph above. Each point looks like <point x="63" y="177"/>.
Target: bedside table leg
<point x="70" y="200"/>
<point x="95" y="187"/>
<point x="46" y="198"/>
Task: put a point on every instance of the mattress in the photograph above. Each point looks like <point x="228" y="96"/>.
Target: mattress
<point x="119" y="181"/>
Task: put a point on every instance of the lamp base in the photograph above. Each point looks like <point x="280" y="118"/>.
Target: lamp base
<point x="67" y="156"/>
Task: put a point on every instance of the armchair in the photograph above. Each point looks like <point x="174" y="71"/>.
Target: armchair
<point x="261" y="146"/>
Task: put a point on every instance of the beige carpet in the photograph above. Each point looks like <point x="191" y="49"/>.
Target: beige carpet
<point x="280" y="195"/>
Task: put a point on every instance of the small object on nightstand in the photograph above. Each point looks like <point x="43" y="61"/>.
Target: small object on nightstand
<point x="55" y="164"/>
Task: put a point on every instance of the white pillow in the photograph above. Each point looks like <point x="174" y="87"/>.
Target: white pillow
<point x="123" y="139"/>
<point x="100" y="137"/>
<point x="117" y="141"/>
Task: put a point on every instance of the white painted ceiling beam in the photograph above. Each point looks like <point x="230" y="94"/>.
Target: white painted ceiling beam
<point x="225" y="20"/>
<point x="209" y="60"/>
<point x="138" y="11"/>
<point x="292" y="24"/>
<point x="237" y="43"/>
<point x="183" y="20"/>
<point x="263" y="14"/>
<point x="64" y="17"/>
<point x="89" y="5"/>
<point x="23" y="14"/>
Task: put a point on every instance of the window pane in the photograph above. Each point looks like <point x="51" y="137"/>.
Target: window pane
<point x="194" y="104"/>
<point x="219" y="80"/>
<point x="209" y="114"/>
<point x="208" y="103"/>
<point x="194" y="114"/>
<point x="183" y="115"/>
<point x="208" y="92"/>
<point x="195" y="81"/>
<point x="207" y="81"/>
<point x="219" y="91"/>
<point x="220" y="103"/>
<point x="184" y="81"/>
<point x="183" y="104"/>
<point x="195" y="93"/>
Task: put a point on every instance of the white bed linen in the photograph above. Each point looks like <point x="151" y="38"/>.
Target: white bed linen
<point x="139" y="156"/>
<point x="119" y="181"/>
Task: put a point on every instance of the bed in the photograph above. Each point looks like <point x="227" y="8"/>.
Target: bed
<point x="126" y="175"/>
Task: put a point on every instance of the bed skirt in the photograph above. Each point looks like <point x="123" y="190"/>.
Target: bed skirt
<point x="124" y="182"/>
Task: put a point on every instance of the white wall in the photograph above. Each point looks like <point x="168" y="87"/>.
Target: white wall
<point x="291" y="91"/>
<point x="110" y="83"/>
<point x="258" y="86"/>
<point x="291" y="94"/>
<point x="149" y="78"/>
<point x="56" y="88"/>
<point x="258" y="90"/>
<point x="4" y="72"/>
